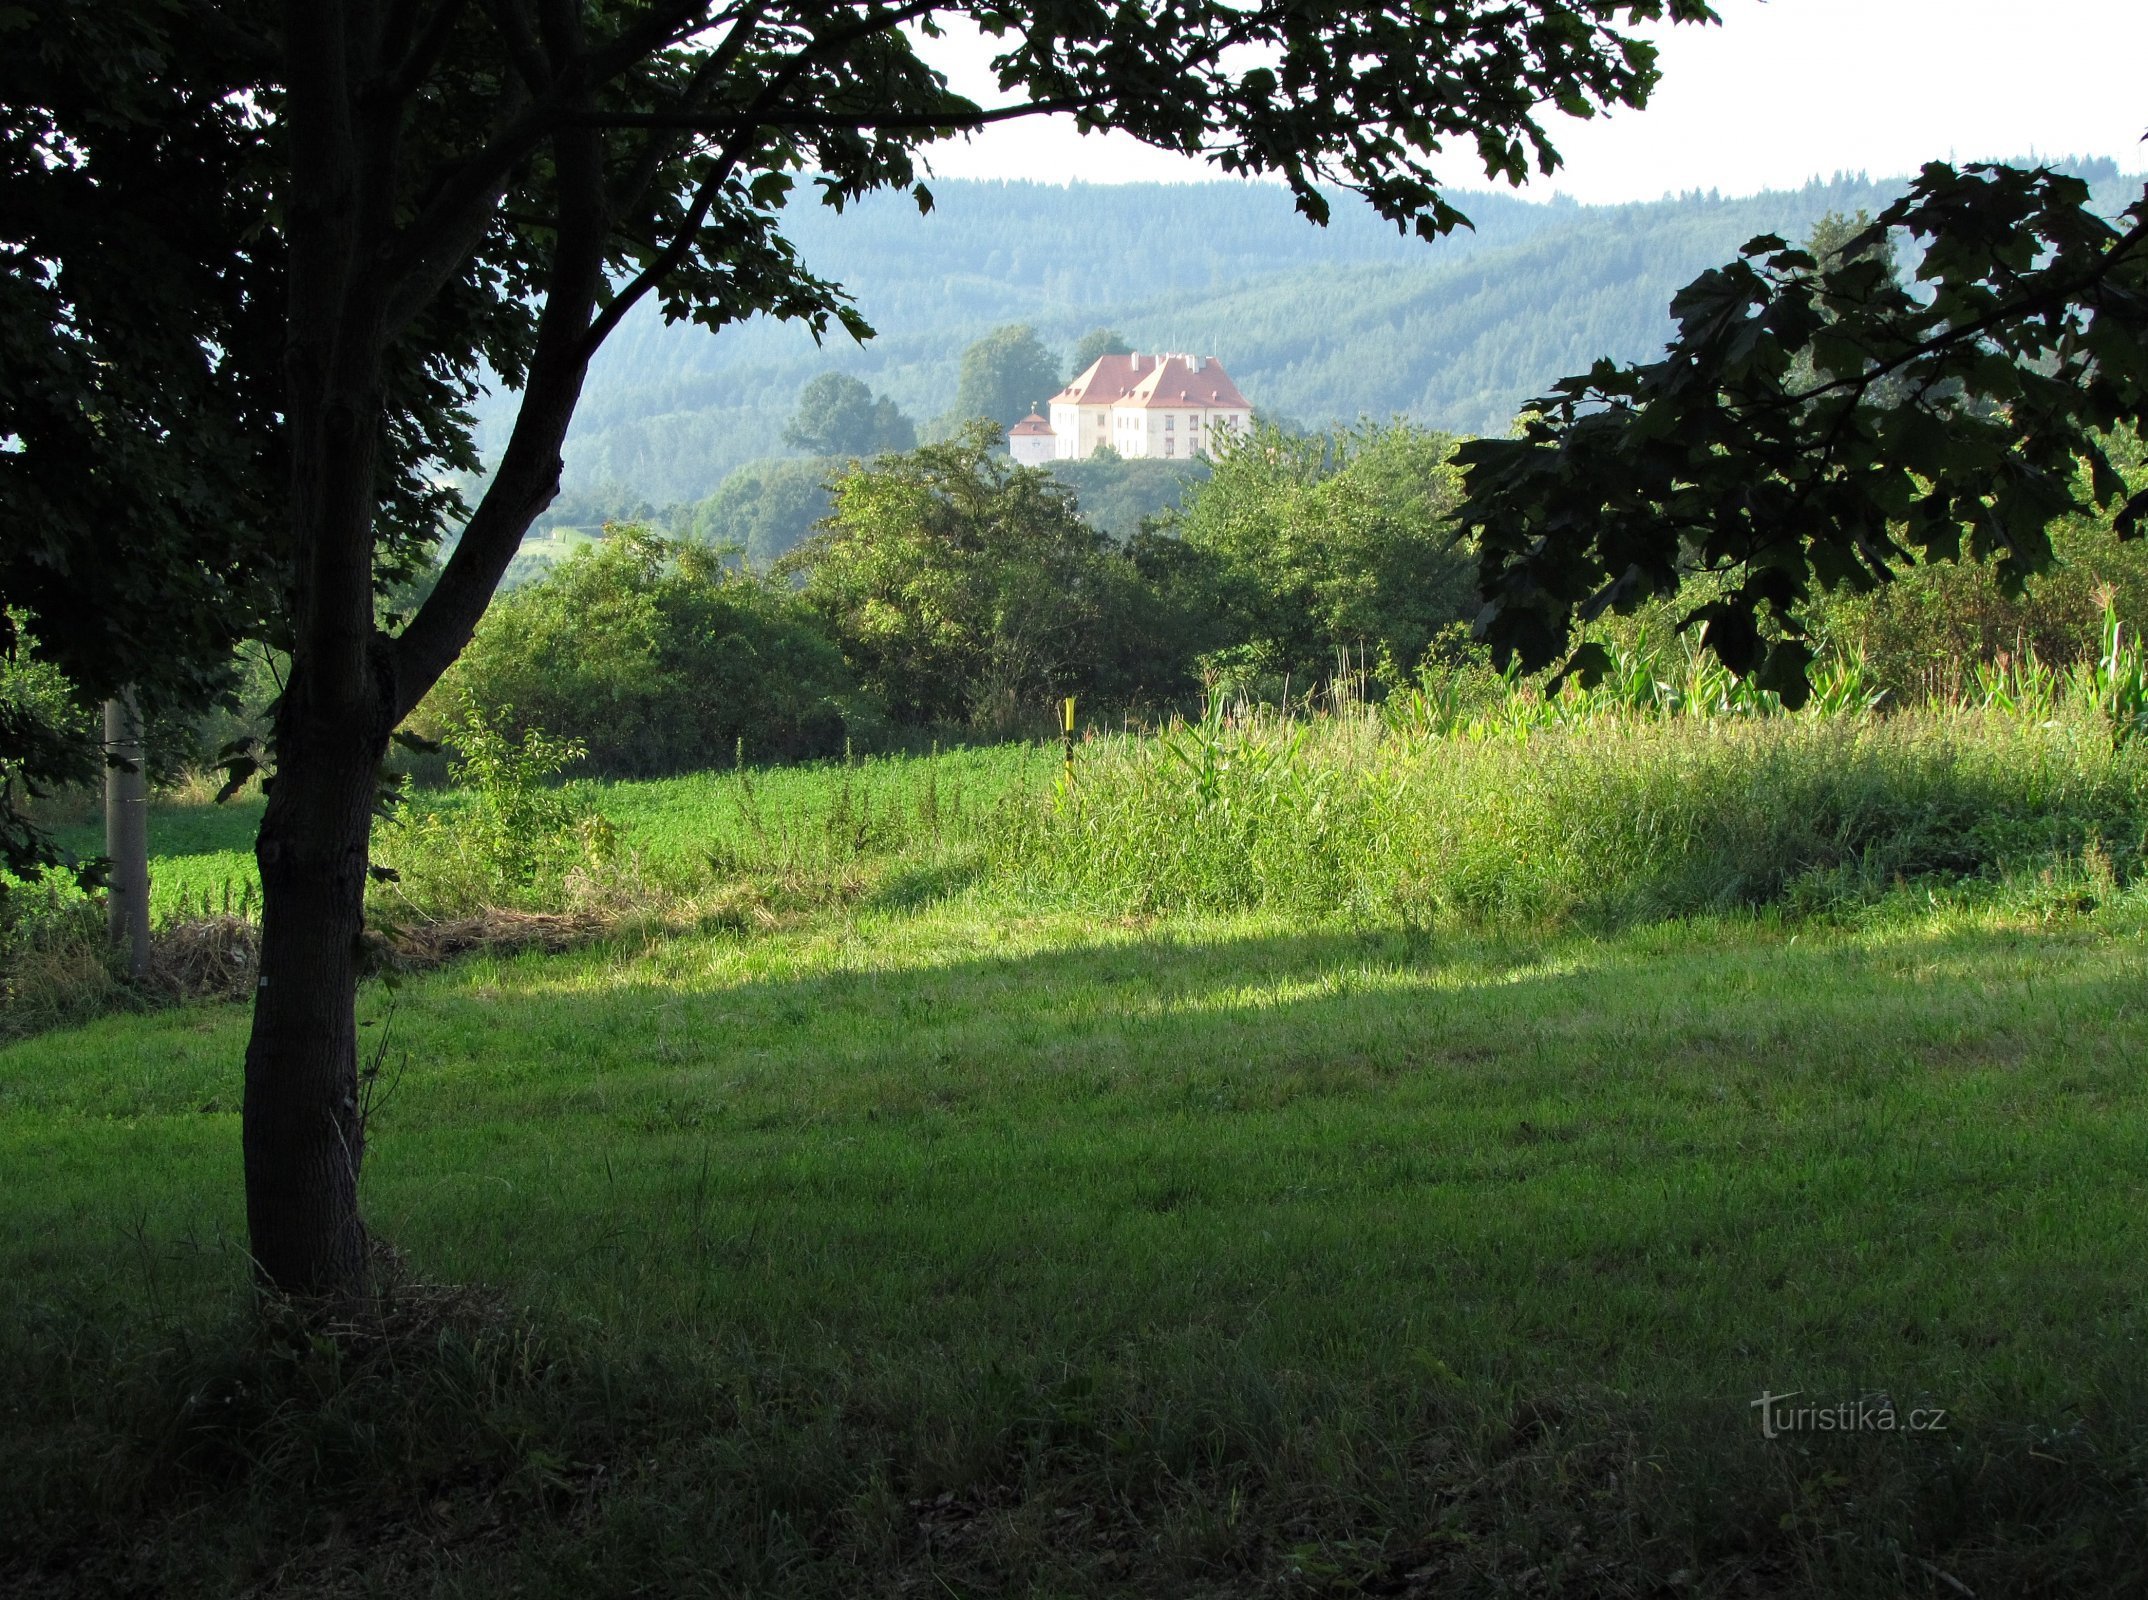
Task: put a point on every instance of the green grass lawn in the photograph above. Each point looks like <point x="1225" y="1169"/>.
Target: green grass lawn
<point x="986" y="1248"/>
<point x="202" y="854"/>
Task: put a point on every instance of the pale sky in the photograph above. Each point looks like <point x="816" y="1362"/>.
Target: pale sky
<point x="1782" y="91"/>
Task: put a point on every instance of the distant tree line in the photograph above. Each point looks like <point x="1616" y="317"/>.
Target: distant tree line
<point x="767" y="507"/>
<point x="949" y="590"/>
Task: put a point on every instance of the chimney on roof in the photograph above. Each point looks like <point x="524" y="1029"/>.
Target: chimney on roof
<point x="1196" y="362"/>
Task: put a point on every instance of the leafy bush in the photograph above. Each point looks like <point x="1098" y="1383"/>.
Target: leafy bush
<point x="765" y="509"/>
<point x="963" y="589"/>
<point x="1119" y="494"/>
<point x="57" y="965"/>
<point x="514" y="839"/>
<point x="1315" y="546"/>
<point x="1930" y="628"/>
<point x="652" y="657"/>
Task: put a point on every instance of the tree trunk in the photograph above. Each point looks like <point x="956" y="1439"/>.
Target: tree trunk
<point x="350" y="683"/>
<point x="304" y="1134"/>
<point x="126" y="831"/>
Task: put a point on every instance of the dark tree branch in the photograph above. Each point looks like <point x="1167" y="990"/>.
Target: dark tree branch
<point x="712" y="66"/>
<point x="475" y="187"/>
<point x="513" y="24"/>
<point x="954" y="121"/>
<point x="667" y="261"/>
<point x="2048" y="298"/>
<point x="214" y="22"/>
<point x="528" y="475"/>
<point x="742" y="132"/>
<point x="441" y="250"/>
<point x="407" y="75"/>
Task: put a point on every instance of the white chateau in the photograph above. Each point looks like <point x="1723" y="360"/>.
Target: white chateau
<point x="1154" y="405"/>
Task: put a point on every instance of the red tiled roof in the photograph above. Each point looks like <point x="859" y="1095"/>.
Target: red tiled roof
<point x="1107" y="378"/>
<point x="1152" y="380"/>
<point x="1031" y="424"/>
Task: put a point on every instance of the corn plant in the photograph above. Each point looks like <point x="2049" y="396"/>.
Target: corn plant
<point x="1842" y="687"/>
<point x="2020" y="685"/>
<point x="2121" y="677"/>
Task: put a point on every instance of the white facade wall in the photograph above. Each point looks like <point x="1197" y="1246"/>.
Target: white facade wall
<point x="1080" y="429"/>
<point x="1174" y="432"/>
<point x="1140" y="422"/>
<point x="1032" y="449"/>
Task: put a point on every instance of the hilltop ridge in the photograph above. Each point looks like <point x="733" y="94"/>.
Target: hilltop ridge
<point x="1315" y="324"/>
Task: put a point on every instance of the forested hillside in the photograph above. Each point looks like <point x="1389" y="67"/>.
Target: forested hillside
<point x="1317" y="325"/>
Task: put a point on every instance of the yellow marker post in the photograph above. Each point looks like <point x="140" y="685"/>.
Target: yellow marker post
<point x="1066" y="727"/>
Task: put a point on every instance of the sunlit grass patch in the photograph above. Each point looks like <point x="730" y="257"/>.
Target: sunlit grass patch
<point x="1136" y="1189"/>
<point x="1047" y="1212"/>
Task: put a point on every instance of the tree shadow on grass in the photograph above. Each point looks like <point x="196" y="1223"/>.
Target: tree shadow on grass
<point x="1532" y="1154"/>
<point x="913" y="888"/>
<point x="1178" y="1260"/>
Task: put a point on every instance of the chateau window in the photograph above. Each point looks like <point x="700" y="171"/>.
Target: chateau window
<point x="1169" y="423"/>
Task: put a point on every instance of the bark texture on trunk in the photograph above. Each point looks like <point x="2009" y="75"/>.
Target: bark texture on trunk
<point x="126" y="830"/>
<point x="304" y="1133"/>
<point x="357" y="281"/>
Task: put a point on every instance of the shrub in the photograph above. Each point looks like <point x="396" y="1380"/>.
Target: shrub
<point x="653" y="658"/>
<point x="765" y="508"/>
<point x="515" y="838"/>
<point x="1321" y="545"/>
<point x="57" y="966"/>
<point x="1930" y="628"/>
<point x="963" y="589"/>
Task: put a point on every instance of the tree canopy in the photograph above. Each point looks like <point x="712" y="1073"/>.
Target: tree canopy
<point x="142" y="463"/>
<point x="653" y="656"/>
<point x="765" y="508"/>
<point x="1005" y="375"/>
<point x="1319" y="545"/>
<point x="1818" y="424"/>
<point x="839" y="416"/>
<point x="1096" y="342"/>
<point x="962" y="587"/>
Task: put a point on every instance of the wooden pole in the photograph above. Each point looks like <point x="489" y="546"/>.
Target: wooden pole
<point x="126" y="830"/>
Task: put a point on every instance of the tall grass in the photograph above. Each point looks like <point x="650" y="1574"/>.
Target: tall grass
<point x="1666" y="789"/>
<point x="1590" y="807"/>
<point x="512" y="858"/>
<point x="742" y="847"/>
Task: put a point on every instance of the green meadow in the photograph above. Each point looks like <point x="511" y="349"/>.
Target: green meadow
<point x="1261" y="1170"/>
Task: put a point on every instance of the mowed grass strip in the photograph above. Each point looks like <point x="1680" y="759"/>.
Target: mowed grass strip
<point x="1224" y="1196"/>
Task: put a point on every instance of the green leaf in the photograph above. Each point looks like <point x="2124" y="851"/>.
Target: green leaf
<point x="236" y="771"/>
<point x="1586" y="666"/>
<point x="1784" y="672"/>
